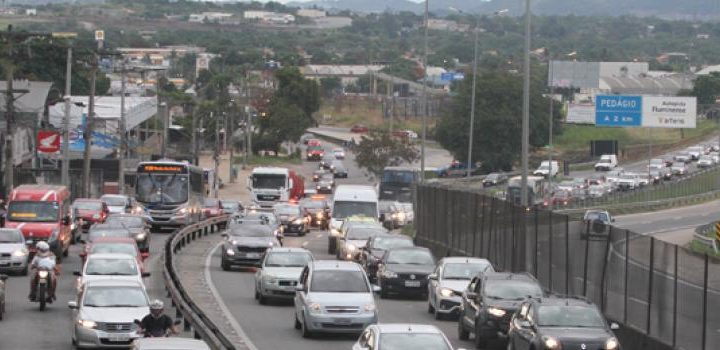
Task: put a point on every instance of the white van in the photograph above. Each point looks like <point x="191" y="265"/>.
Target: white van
<point x="353" y="200"/>
<point x="607" y="162"/>
<point x="547" y="169"/>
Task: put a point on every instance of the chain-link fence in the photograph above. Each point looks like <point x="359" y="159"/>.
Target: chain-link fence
<point x="653" y="288"/>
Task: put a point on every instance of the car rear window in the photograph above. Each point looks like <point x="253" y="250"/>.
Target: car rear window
<point x="338" y="281"/>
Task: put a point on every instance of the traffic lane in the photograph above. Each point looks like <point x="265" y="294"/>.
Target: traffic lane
<point x="272" y="326"/>
<point x="671" y="219"/>
<point x="23" y="320"/>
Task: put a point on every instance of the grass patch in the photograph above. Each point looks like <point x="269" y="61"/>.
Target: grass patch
<point x="269" y="160"/>
<point x="701" y="248"/>
<point x="408" y="230"/>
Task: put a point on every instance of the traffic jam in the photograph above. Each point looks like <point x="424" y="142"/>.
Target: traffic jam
<point x="363" y="225"/>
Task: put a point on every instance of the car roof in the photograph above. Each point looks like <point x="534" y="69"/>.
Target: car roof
<point x="463" y="259"/>
<point x="335" y="265"/>
<point x="111" y="256"/>
<point x="170" y="344"/>
<point x="562" y="300"/>
<point x="109" y="282"/>
<point x="95" y="200"/>
<point x="389" y="235"/>
<point x="407" y="328"/>
<point x="112" y="239"/>
<point x="409" y="248"/>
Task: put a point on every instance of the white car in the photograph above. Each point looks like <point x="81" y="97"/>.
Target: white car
<point x="117" y="203"/>
<point x="695" y="152"/>
<point x="14" y="254"/>
<point x="339" y="153"/>
<point x="280" y="272"/>
<point x="607" y="162"/>
<point x="109" y="266"/>
<point x="450" y="278"/>
<point x="389" y="336"/>
<point x="596" y="191"/>
<point x="705" y="162"/>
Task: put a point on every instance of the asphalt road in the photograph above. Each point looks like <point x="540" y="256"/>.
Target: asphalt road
<point x="271" y="326"/>
<point x="671" y="220"/>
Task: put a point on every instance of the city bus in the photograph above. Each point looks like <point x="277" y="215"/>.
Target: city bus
<point x="397" y="184"/>
<point x="171" y="192"/>
<point x="536" y="190"/>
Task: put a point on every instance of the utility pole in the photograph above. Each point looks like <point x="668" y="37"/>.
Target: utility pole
<point x="65" y="176"/>
<point x="230" y="131"/>
<point x="10" y="126"/>
<point x="526" y="110"/>
<point x="472" y="100"/>
<point x="424" y="96"/>
<point x="216" y="154"/>
<point x="193" y="137"/>
<point x="122" y="127"/>
<point x="89" y="127"/>
<point x="550" y="131"/>
<point x="165" y="118"/>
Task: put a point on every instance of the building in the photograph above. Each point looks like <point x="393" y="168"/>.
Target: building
<point x="311" y="13"/>
<point x="347" y="73"/>
<point x="269" y="17"/>
<point x="30" y="12"/>
<point x="209" y="17"/>
<point x="158" y="56"/>
<point x="444" y="24"/>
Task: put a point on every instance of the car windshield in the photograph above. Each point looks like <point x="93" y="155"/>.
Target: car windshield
<point x="604" y="161"/>
<point x="210" y="203"/>
<point x="512" y="290"/>
<point x="285" y="259"/>
<point x="115" y="296"/>
<point x="95" y="234"/>
<point x="231" y="205"/>
<point x="87" y="205"/>
<point x="596" y="216"/>
<point x="111" y="267"/>
<point x="11" y="236"/>
<point x="493" y="177"/>
<point x="127" y="221"/>
<point x="162" y="188"/>
<point x="569" y="316"/>
<point x="411" y="257"/>
<point x="327" y="177"/>
<point x="314" y="148"/>
<point x="338" y="281"/>
<point x="114" y="201"/>
<point x="389" y="243"/>
<point x="287" y="210"/>
<point x="258" y="231"/>
<point x="32" y="211"/>
<point x="357" y="234"/>
<point x="464" y="271"/>
<point x="273" y="181"/>
<point x="116" y="248"/>
<point x="403" y="341"/>
<point x="343" y="209"/>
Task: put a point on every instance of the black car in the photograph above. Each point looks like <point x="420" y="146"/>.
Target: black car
<point x="494" y="179"/>
<point x="560" y="323"/>
<point x="339" y="170"/>
<point x="245" y="245"/>
<point x="327" y="161"/>
<point x="376" y="247"/>
<point x="405" y="271"/>
<point x="489" y="302"/>
<point x="317" y="211"/>
<point x="138" y="225"/>
<point x="326" y="184"/>
<point x="317" y="174"/>
<point x="292" y="219"/>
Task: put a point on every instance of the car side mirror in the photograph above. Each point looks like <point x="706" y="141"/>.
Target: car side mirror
<point x="299" y="287"/>
<point x="614" y="326"/>
<point x="376" y="288"/>
<point x="471" y="295"/>
<point x="525" y="324"/>
<point x="433" y="277"/>
<point x="72" y="305"/>
<point x="146" y="274"/>
<point x="77" y="273"/>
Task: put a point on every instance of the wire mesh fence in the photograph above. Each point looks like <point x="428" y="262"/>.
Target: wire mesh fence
<point x="658" y="289"/>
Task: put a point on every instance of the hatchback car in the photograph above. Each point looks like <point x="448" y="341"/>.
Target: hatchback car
<point x="88" y="212"/>
<point x="317" y="211"/>
<point x="292" y="219"/>
<point x="353" y="241"/>
<point x="137" y="225"/>
<point x="246" y="245"/>
<point x="334" y="297"/>
<point x="375" y="249"/>
<point x="117" y="203"/>
<point x="231" y="207"/>
<point x="560" y="323"/>
<point x="392" y="336"/>
<point x="110" y="266"/>
<point x="14" y="254"/>
<point x="447" y="283"/>
<point x="280" y="273"/>
<point x="104" y="312"/>
<point x="489" y="302"/>
<point x="405" y="271"/>
<point x="327" y="161"/>
<point x="326" y="184"/>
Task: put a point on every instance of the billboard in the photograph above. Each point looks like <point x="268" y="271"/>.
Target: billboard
<point x="669" y="112"/>
<point x="580" y="113"/>
<point x="637" y="111"/>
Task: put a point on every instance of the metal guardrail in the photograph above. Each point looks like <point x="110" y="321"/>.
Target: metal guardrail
<point x="701" y="236"/>
<point x="204" y="328"/>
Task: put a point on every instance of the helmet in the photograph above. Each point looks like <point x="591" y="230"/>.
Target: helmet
<point x="42" y="246"/>
<point x="157" y="304"/>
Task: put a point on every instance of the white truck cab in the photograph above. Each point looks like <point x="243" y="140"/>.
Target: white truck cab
<point x="547" y="169"/>
<point x="269" y="185"/>
<point x="607" y="162"/>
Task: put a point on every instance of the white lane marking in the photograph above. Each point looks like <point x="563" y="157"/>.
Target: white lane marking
<point x="233" y="322"/>
<point x="304" y="244"/>
<point x="319" y="235"/>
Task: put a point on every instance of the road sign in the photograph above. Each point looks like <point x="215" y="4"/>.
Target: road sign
<point x="48" y="141"/>
<point x="669" y="112"/>
<point x="452" y="76"/>
<point x="618" y="110"/>
<point x="717" y="231"/>
<point x="99" y="35"/>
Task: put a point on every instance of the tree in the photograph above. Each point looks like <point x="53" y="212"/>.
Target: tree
<point x="294" y="89"/>
<point x="330" y="86"/>
<point x="707" y="88"/>
<point x="282" y="122"/>
<point x="380" y="149"/>
<point x="497" y="129"/>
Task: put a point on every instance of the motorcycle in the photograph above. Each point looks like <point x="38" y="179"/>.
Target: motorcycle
<point x="147" y="334"/>
<point x="43" y="286"/>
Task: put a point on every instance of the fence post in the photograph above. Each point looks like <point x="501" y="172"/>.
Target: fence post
<point x="585" y="266"/>
<point x="567" y="255"/>
<point x="604" y="270"/>
<point x="550" y="249"/>
<point x="651" y="271"/>
<point x="705" y="300"/>
<point x="537" y="247"/>
<point x="675" y="297"/>
<point x="627" y="268"/>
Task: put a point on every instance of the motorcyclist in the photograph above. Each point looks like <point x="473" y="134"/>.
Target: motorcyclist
<point x="157" y="324"/>
<point x="46" y="259"/>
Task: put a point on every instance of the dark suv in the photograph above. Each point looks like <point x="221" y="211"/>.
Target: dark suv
<point x="560" y="323"/>
<point x="489" y="302"/>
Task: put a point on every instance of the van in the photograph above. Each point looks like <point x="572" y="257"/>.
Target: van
<point x="547" y="168"/>
<point x="42" y="213"/>
<point x="607" y="162"/>
<point x="352" y="200"/>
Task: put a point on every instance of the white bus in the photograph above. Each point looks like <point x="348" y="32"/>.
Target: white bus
<point x="535" y="193"/>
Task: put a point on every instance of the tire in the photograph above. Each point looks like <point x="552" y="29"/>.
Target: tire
<point x="224" y="265"/>
<point x="331" y="246"/>
<point x="41" y="297"/>
<point x="262" y="300"/>
<point x="463" y="334"/>
<point x="303" y="329"/>
<point x="480" y="342"/>
<point x="257" y="294"/>
<point x="297" y="323"/>
<point x="431" y="309"/>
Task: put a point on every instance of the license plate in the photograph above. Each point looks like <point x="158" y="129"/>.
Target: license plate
<point x="342" y="321"/>
<point x="252" y="255"/>
<point x="119" y="337"/>
<point x="412" y="284"/>
<point x="4" y="263"/>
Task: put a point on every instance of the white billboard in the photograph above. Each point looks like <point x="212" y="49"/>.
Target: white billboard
<point x="580" y="113"/>
<point x="669" y="112"/>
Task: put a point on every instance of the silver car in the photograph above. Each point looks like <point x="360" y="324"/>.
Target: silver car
<point x="450" y="278"/>
<point x="334" y="297"/>
<point x="391" y="336"/>
<point x="104" y="312"/>
<point x="280" y="272"/>
<point x="109" y="266"/>
<point x="169" y="344"/>
<point x="351" y="244"/>
<point x="13" y="251"/>
<point x="117" y="203"/>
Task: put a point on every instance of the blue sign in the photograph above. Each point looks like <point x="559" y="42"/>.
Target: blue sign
<point x="618" y="110"/>
<point x="451" y="76"/>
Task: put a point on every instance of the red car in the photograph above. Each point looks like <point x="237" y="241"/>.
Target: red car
<point x="121" y="245"/>
<point x="359" y="129"/>
<point x="314" y="142"/>
<point x="212" y="207"/>
<point x="315" y="153"/>
<point x="89" y="211"/>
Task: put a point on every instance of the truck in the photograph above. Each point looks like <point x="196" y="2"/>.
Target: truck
<point x="547" y="169"/>
<point x="607" y="162"/>
<point x="397" y="183"/>
<point x="536" y="190"/>
<point x="270" y="185"/>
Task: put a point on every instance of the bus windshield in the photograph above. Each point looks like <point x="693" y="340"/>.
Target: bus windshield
<point x="268" y="181"/>
<point x="398" y="176"/>
<point x="162" y="188"/>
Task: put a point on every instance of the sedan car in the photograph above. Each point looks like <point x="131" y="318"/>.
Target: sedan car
<point x="317" y="211"/>
<point x="339" y="153"/>
<point x="447" y="283"/>
<point x="117" y="203"/>
<point x="391" y="336"/>
<point x="104" y="230"/>
<point x="375" y="249"/>
<point x="679" y="169"/>
<point x="317" y="174"/>
<point x="494" y="179"/>
<point x="705" y="161"/>
<point x="405" y="271"/>
<point x="88" y="211"/>
<point x="280" y="272"/>
<point x="339" y="170"/>
<point x="326" y="184"/>
<point x="327" y="161"/>
<point x="292" y="219"/>
<point x="3" y="278"/>
<point x="137" y="225"/>
<point x="104" y="311"/>
<point x="682" y="157"/>
<point x="14" y="254"/>
<point x="561" y="323"/>
<point x="353" y="241"/>
<point x="109" y="266"/>
<point x="212" y="207"/>
<point x="115" y="245"/>
<point x="334" y="297"/>
<point x="246" y="245"/>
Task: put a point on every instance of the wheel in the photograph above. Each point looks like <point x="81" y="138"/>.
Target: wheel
<point x="431" y="309"/>
<point x="24" y="271"/>
<point x="480" y="342"/>
<point x="463" y="334"/>
<point x="257" y="294"/>
<point x="224" y="265"/>
<point x="303" y="329"/>
<point x="297" y="323"/>
<point x="262" y="299"/>
<point x="41" y="296"/>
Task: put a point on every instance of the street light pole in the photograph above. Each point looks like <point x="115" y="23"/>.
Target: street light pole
<point x="122" y="127"/>
<point x="472" y="100"/>
<point x="65" y="175"/>
<point x="89" y="127"/>
<point x="550" y="128"/>
<point x="526" y="110"/>
<point x="424" y="97"/>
